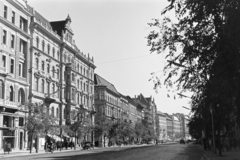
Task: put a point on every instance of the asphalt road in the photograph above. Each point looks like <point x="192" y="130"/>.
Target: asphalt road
<point x="153" y="152"/>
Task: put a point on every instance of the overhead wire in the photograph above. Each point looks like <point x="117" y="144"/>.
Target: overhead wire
<point x="117" y="60"/>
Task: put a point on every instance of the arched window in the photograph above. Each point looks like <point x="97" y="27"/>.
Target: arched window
<point x="58" y="92"/>
<point x="48" y="88"/>
<point x="53" y="89"/>
<point x="64" y="58"/>
<point x="1" y="89"/>
<point x="81" y="69"/>
<point x="58" y="55"/>
<point x="69" y="59"/>
<point x="21" y="96"/>
<point x="58" y="73"/>
<point x="48" y="49"/>
<point x="73" y="77"/>
<point x="37" y="42"/>
<point x="57" y="114"/>
<point x="53" y="52"/>
<point x="73" y="94"/>
<point x="83" y="86"/>
<point x="43" y="65"/>
<point x="78" y="83"/>
<point x="11" y="93"/>
<point x="36" y="83"/>
<point x="78" y="98"/>
<point x="36" y="63"/>
<point x="43" y="46"/>
<point x="84" y="71"/>
<point x="65" y="113"/>
<point x="78" y="67"/>
<point x="48" y="68"/>
<point x="53" y="111"/>
<point x="42" y="85"/>
<point x="53" y="71"/>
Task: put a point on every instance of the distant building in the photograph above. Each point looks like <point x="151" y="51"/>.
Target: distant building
<point x="176" y="127"/>
<point x="108" y="102"/>
<point x="181" y="118"/>
<point x="170" y="133"/>
<point x="162" y="126"/>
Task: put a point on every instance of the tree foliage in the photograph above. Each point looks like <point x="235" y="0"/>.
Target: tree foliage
<point x="203" y="55"/>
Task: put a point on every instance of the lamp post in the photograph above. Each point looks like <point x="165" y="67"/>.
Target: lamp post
<point x="213" y="134"/>
<point x="92" y="112"/>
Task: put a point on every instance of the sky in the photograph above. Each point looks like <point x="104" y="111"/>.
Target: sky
<point x="114" y="33"/>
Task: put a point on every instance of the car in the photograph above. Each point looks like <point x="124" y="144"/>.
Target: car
<point x="182" y="141"/>
<point x="87" y="145"/>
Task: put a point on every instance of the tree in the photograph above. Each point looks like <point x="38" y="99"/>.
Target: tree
<point x="203" y="53"/>
<point x="102" y="126"/>
<point x="39" y="121"/>
<point x="139" y="131"/>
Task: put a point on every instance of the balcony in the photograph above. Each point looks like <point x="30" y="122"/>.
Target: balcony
<point x="22" y="79"/>
<point x="11" y="104"/>
<point x="73" y="83"/>
<point x="3" y="69"/>
<point x="21" y="55"/>
<point x="1" y="101"/>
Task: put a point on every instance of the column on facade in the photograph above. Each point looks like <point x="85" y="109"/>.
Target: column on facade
<point x="1" y="131"/>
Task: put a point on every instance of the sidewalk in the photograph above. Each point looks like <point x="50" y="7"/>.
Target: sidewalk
<point x="27" y="152"/>
<point x="227" y="155"/>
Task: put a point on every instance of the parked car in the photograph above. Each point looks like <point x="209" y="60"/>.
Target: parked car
<point x="87" y="145"/>
<point x="182" y="141"/>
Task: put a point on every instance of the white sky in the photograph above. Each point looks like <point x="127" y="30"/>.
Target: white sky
<point x="113" y="32"/>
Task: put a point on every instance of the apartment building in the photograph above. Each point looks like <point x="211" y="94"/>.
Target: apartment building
<point x="14" y="78"/>
<point x="59" y="70"/>
<point x="162" y="126"/>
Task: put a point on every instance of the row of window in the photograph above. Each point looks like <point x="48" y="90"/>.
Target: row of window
<point x="22" y="43"/>
<point x="53" y="71"/>
<point x="11" y="93"/>
<point x="84" y="86"/>
<point x="111" y="111"/>
<point x="42" y="87"/>
<point x="22" y="21"/>
<point x="12" y="65"/>
<point x="49" y="51"/>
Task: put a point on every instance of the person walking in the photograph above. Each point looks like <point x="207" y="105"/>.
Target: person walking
<point x="9" y="147"/>
<point x="5" y="147"/>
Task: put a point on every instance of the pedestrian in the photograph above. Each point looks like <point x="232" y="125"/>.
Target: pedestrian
<point x="9" y="147"/>
<point x="5" y="147"/>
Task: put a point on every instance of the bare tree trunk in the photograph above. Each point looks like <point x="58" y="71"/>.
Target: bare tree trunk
<point x="31" y="139"/>
<point x="219" y="141"/>
<point x="104" y="140"/>
<point x="75" y="140"/>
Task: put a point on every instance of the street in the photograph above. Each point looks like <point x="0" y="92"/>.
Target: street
<point x="142" y="152"/>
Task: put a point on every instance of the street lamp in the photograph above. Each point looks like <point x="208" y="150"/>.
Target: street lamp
<point x="213" y="135"/>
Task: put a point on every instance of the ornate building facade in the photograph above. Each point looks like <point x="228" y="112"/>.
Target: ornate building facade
<point x="14" y="79"/>
<point x="39" y="60"/>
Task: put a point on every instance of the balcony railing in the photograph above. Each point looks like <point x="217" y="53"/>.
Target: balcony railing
<point x="12" y="104"/>
<point x="3" y="69"/>
<point x="22" y="79"/>
<point x="21" y="54"/>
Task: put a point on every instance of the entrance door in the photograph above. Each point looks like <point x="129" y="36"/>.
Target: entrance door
<point x="21" y="140"/>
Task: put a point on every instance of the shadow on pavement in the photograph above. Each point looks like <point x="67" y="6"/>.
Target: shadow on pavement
<point x="116" y="153"/>
<point x="189" y="152"/>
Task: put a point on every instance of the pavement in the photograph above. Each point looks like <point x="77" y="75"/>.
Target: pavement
<point x="226" y="155"/>
<point x="15" y="153"/>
